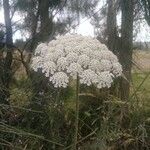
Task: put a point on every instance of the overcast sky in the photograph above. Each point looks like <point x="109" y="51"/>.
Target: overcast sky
<point x="85" y="28"/>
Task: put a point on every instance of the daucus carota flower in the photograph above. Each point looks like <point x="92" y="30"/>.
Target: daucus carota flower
<point x="117" y="69"/>
<point x="37" y="62"/>
<point x="48" y="68"/>
<point x="72" y="55"/>
<point x="106" y="65"/>
<point x="62" y="63"/>
<point x="88" y="77"/>
<point x="74" y="69"/>
<point x="83" y="60"/>
<point x="41" y="49"/>
<point x="95" y="65"/>
<point x="105" y="79"/>
<point x="59" y="79"/>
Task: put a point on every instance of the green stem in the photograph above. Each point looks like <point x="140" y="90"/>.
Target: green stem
<point x="77" y="114"/>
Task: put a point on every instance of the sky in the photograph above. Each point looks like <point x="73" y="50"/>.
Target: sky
<point x="85" y="28"/>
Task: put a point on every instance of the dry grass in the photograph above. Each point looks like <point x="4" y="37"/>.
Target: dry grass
<point x="142" y="60"/>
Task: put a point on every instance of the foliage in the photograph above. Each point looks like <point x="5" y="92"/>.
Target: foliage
<point x="56" y="13"/>
<point x="146" y="6"/>
<point x="42" y="117"/>
<point x="48" y="122"/>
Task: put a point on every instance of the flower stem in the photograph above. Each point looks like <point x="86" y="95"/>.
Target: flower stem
<point x="77" y="115"/>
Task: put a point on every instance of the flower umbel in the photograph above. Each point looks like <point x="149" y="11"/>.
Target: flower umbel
<point x="72" y="55"/>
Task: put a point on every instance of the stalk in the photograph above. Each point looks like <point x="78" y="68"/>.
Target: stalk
<point x="77" y="115"/>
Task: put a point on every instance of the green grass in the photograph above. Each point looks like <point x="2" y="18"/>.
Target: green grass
<point x="141" y="83"/>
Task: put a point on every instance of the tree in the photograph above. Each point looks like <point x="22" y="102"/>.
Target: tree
<point x="146" y="9"/>
<point x="126" y="50"/>
<point x="119" y="39"/>
<point x="122" y="45"/>
<point x="43" y="18"/>
<point x="113" y="39"/>
<point x="7" y="61"/>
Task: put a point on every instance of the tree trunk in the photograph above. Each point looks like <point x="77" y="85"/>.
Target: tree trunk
<point x="46" y="20"/>
<point x="45" y="29"/>
<point x="127" y="7"/>
<point x="121" y="46"/>
<point x="6" y="77"/>
<point x="113" y="38"/>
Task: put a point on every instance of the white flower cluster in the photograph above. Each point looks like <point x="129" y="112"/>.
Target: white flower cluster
<point x="72" y="55"/>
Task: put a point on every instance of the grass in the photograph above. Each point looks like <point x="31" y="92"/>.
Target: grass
<point x="141" y="78"/>
<point x="143" y="92"/>
<point x="142" y="60"/>
<point x="94" y="113"/>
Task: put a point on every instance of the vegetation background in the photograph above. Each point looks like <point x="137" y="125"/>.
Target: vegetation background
<point x="36" y="116"/>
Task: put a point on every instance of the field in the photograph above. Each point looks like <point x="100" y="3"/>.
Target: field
<point x="39" y="121"/>
<point x="140" y="85"/>
<point x="142" y="60"/>
<point x="141" y="76"/>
